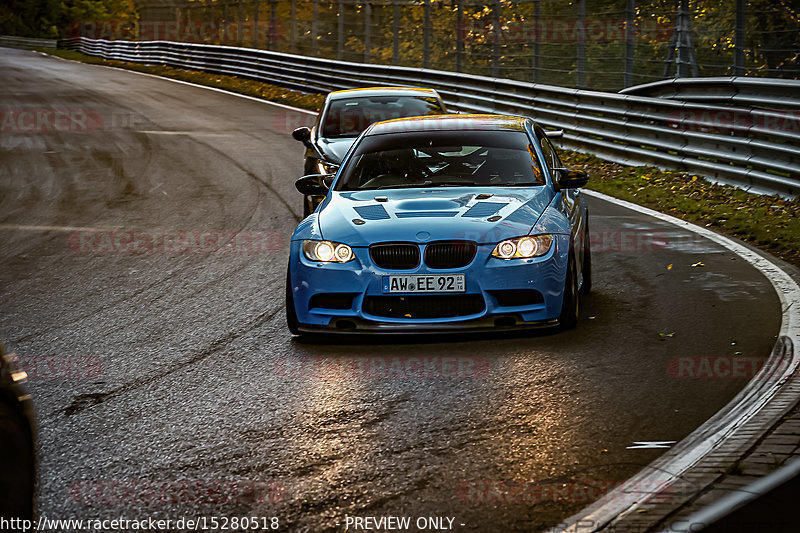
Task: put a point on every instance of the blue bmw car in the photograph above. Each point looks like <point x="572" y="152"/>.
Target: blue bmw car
<point x="442" y="223"/>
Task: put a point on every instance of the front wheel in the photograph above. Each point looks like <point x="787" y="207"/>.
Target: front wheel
<point x="586" y="282"/>
<point x="570" y="306"/>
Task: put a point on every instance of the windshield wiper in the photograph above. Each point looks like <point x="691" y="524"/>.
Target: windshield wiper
<point x="428" y="183"/>
<point x="404" y="185"/>
<point x="340" y="136"/>
<point x="453" y="183"/>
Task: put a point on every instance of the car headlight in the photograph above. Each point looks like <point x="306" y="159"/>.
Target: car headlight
<point x="523" y="247"/>
<point x="323" y="167"/>
<point x="327" y="251"/>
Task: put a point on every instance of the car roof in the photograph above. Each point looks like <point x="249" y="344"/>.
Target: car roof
<point x="382" y="91"/>
<point x="449" y="123"/>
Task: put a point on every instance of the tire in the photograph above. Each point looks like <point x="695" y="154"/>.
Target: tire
<point x="570" y="306"/>
<point x="291" y="315"/>
<point x="586" y="284"/>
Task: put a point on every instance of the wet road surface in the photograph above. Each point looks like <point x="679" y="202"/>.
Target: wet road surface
<point x="167" y="385"/>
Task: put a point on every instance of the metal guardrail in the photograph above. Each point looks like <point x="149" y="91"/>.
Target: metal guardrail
<point x="755" y="149"/>
<point x="9" y="41"/>
<point x="762" y="93"/>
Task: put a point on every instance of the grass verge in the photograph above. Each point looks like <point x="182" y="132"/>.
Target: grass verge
<point x="768" y="222"/>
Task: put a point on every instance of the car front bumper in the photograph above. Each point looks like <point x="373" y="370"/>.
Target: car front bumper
<point x="340" y="298"/>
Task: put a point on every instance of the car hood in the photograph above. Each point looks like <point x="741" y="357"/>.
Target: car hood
<point x="334" y="150"/>
<point x="484" y="215"/>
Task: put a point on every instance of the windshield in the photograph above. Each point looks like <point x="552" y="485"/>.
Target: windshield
<point x="442" y="159"/>
<point x="348" y="117"/>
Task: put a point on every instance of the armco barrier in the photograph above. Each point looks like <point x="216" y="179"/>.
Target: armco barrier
<point x="758" y="149"/>
<point x="24" y="42"/>
<point x="760" y="93"/>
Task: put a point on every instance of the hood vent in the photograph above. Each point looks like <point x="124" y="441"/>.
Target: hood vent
<point x="372" y="212"/>
<point x="425" y="214"/>
<point x="484" y="209"/>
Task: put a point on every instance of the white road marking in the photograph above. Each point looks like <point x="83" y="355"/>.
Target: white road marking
<point x="650" y="444"/>
<point x="20" y="227"/>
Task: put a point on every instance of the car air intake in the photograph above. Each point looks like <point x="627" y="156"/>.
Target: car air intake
<point x="332" y="300"/>
<point x="517" y="297"/>
<point x="418" y="307"/>
<point x="450" y="254"/>
<point x="395" y="256"/>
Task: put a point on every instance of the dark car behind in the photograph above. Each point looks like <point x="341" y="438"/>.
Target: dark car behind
<point x="18" y="468"/>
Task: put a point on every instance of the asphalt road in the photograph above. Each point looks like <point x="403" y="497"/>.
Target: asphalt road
<point x="167" y="385"/>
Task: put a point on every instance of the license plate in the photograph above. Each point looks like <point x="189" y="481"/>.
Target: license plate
<point x="447" y="283"/>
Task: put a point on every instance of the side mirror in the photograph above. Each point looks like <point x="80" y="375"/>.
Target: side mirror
<point x="303" y="135"/>
<point x="571" y="179"/>
<point x="314" y="184"/>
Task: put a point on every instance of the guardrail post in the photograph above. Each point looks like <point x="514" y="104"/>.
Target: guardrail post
<point x="738" y="51"/>
<point x="460" y="34"/>
<point x="426" y="35"/>
<point x="273" y="24"/>
<point x="580" y="55"/>
<point x="687" y="65"/>
<point x="223" y="30"/>
<point x="340" y="31"/>
<point x="293" y="26"/>
<point x="495" y="37"/>
<point x="315" y="28"/>
<point x="630" y="13"/>
<point x="255" y="23"/>
<point x="240" y="23"/>
<point x="395" y="32"/>
<point x="367" y="31"/>
<point x="537" y="60"/>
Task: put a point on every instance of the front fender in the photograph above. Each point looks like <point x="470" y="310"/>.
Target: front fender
<point x="307" y="229"/>
<point x="553" y="220"/>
